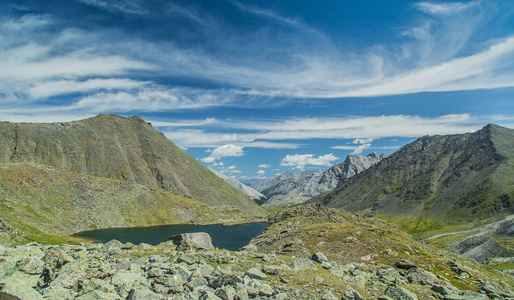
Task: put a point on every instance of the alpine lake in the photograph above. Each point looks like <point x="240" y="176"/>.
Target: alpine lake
<point x="232" y="237"/>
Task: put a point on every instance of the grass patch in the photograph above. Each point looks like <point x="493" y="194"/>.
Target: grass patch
<point x="273" y="210"/>
<point x="503" y="265"/>
<point x="416" y="226"/>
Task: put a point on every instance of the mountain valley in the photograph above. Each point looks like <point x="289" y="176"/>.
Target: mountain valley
<point x="109" y="171"/>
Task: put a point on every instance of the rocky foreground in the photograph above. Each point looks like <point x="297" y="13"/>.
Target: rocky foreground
<point x="307" y="253"/>
<point x="125" y="271"/>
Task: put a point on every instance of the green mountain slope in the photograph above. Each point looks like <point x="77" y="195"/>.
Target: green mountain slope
<point x="107" y="171"/>
<point x="450" y="178"/>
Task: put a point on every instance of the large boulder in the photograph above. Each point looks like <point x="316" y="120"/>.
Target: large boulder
<point x="201" y="240"/>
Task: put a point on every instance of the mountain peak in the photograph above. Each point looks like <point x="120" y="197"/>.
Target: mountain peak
<point x="436" y="176"/>
<point x="111" y="148"/>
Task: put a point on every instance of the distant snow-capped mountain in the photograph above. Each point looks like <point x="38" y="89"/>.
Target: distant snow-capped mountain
<point x="290" y="189"/>
<point x="249" y="191"/>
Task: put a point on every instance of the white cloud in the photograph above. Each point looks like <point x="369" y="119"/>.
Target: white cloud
<point x="444" y="8"/>
<point x="42" y="58"/>
<point x="261" y="172"/>
<point x="266" y="14"/>
<point x="208" y="159"/>
<point x="224" y="151"/>
<point x="59" y="87"/>
<point x="264" y="166"/>
<point x="126" y="6"/>
<point x="361" y="148"/>
<point x="299" y="161"/>
<point x="362" y="141"/>
<point x="268" y="134"/>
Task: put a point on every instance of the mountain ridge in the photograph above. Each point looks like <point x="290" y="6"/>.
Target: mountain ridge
<point x="291" y="189"/>
<point x="451" y="177"/>
<point x="109" y="153"/>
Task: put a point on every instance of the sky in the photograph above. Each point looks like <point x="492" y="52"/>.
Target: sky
<point x="257" y="88"/>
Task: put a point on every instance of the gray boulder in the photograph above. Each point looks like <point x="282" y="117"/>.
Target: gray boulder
<point x="399" y="293"/>
<point x="256" y="273"/>
<point x="319" y="257"/>
<point x="200" y="240"/>
<point x="421" y="277"/>
<point x="405" y="263"/>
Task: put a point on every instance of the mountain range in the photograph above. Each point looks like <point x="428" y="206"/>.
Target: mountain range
<point x="453" y="178"/>
<point x="105" y="171"/>
<point x="290" y="189"/>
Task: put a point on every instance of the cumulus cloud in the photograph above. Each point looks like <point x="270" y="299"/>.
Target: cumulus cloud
<point x="224" y="151"/>
<point x="261" y="172"/>
<point x="299" y="161"/>
<point x="362" y="141"/>
<point x="264" y="166"/>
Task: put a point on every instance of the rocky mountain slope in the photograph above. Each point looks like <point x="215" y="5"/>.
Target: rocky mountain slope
<point x="249" y="191"/>
<point x="309" y="252"/>
<point x="291" y="189"/>
<point x="105" y="171"/>
<point x="453" y="178"/>
<point x="288" y="188"/>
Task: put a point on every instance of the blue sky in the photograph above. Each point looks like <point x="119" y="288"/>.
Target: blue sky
<point x="256" y="88"/>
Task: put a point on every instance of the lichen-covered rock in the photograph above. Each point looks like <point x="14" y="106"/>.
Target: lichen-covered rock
<point x="405" y="263"/>
<point x="421" y="276"/>
<point x="352" y="295"/>
<point x="142" y="293"/>
<point x="399" y="293"/>
<point x="226" y="292"/>
<point x="300" y="264"/>
<point x="256" y="273"/>
<point x="328" y="296"/>
<point x="319" y="257"/>
<point x="20" y="285"/>
<point x="200" y="240"/>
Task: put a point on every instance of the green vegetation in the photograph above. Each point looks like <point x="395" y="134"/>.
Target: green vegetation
<point x="436" y="184"/>
<point x="346" y="238"/>
<point x="272" y="210"/>
<point x="106" y="171"/>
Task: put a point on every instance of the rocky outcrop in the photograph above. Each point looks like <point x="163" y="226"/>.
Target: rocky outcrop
<point x="125" y="271"/>
<point x="290" y="189"/>
<point x="376" y="259"/>
<point x="352" y="165"/>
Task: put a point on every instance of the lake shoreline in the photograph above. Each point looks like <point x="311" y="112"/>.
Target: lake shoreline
<point x="230" y="237"/>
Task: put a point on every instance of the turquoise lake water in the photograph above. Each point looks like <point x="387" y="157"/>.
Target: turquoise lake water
<point x="224" y="237"/>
